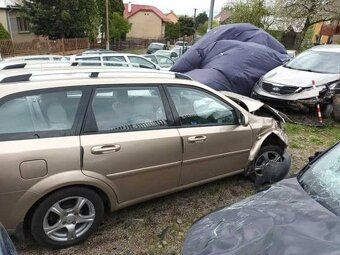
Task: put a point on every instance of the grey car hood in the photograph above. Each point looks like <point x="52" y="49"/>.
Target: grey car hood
<point x="285" y="76"/>
<point x="281" y="220"/>
<point x="253" y="105"/>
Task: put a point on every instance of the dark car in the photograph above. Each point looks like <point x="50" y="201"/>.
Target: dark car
<point x="6" y="245"/>
<point x="298" y="215"/>
<point x="153" y="47"/>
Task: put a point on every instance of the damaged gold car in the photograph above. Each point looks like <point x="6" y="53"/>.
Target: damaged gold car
<point x="75" y="142"/>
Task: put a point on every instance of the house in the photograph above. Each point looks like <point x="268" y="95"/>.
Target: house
<point x="222" y="17"/>
<point x="16" y="25"/>
<point x="327" y="32"/>
<point x="172" y="17"/>
<point x="147" y="21"/>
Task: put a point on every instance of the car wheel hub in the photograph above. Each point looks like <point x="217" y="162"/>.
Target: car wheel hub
<point x="266" y="159"/>
<point x="69" y="218"/>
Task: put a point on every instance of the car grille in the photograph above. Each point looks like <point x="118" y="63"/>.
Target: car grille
<point x="283" y="90"/>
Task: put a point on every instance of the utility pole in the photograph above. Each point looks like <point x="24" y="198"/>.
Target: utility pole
<point x="195" y="10"/>
<point x="211" y="14"/>
<point x="107" y="34"/>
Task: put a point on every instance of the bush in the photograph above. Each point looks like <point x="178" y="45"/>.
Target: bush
<point x="3" y="33"/>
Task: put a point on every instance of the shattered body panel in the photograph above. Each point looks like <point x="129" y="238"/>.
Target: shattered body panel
<point x="295" y="216"/>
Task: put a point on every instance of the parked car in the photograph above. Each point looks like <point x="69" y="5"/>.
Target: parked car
<point x="299" y="215"/>
<point x="162" y="61"/>
<point x="172" y="54"/>
<point x="79" y="141"/>
<point x="153" y="47"/>
<point x="36" y="58"/>
<point x="132" y="59"/>
<point x="97" y="51"/>
<point x="181" y="44"/>
<point x="6" y="245"/>
<point x="291" y="85"/>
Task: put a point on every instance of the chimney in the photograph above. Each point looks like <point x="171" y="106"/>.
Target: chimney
<point x="129" y="7"/>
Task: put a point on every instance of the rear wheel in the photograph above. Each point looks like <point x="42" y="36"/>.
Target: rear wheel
<point x="67" y="217"/>
<point x="266" y="155"/>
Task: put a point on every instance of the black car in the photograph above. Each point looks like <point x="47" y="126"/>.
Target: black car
<point x="299" y="215"/>
<point x="153" y="47"/>
<point x="6" y="245"/>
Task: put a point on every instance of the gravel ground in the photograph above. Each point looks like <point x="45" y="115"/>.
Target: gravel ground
<point x="159" y="226"/>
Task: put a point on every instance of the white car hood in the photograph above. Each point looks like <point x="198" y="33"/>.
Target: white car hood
<point x="285" y="76"/>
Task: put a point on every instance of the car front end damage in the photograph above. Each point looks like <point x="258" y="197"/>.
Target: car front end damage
<point x="301" y="99"/>
<point x="266" y="123"/>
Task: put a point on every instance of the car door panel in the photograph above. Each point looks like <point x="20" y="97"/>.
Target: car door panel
<point x="138" y="152"/>
<point x="214" y="143"/>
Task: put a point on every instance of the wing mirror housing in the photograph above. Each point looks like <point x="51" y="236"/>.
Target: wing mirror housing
<point x="243" y="119"/>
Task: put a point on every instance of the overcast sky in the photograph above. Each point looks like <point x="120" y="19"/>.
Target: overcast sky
<point x="182" y="7"/>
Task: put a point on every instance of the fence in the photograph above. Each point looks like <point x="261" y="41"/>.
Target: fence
<point x="42" y="46"/>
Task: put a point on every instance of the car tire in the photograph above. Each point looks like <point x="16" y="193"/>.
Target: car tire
<point x="67" y="217"/>
<point x="336" y="107"/>
<point x="270" y="151"/>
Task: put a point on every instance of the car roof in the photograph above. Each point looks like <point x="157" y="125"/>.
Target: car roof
<point x="327" y="48"/>
<point x="156" y="43"/>
<point x="32" y="57"/>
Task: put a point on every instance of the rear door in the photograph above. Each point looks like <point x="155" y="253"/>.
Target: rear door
<point x="214" y="143"/>
<point x="38" y="136"/>
<point x="130" y="140"/>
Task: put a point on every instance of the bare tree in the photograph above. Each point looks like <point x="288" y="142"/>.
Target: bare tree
<point x="308" y="12"/>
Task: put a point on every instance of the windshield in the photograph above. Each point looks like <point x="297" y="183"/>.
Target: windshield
<point x="316" y="61"/>
<point x="322" y="180"/>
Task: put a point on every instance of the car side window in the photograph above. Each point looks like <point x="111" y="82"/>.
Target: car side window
<point x="196" y="107"/>
<point x="41" y="112"/>
<point x="141" y="61"/>
<point x="165" y="60"/>
<point x="128" y="108"/>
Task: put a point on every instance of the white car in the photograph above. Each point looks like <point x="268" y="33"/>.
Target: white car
<point x="291" y="85"/>
<point x="36" y="58"/>
<point x="131" y="59"/>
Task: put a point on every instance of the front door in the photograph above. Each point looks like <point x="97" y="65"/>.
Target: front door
<point x="128" y="140"/>
<point x="214" y="143"/>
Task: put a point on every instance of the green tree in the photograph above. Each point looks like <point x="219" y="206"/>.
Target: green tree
<point x="201" y="19"/>
<point x="62" y="18"/>
<point x="186" y="25"/>
<point x="119" y="26"/>
<point x="306" y="13"/>
<point x="202" y="29"/>
<point x="3" y="33"/>
<point x="172" y="31"/>
<point x="251" y="11"/>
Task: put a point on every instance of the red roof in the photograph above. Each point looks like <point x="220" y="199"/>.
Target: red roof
<point x="144" y="8"/>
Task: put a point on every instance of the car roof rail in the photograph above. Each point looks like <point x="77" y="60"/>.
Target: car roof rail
<point x="16" y="78"/>
<point x="14" y="66"/>
<point x="182" y="76"/>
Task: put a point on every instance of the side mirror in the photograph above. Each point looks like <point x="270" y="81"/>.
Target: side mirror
<point x="244" y="120"/>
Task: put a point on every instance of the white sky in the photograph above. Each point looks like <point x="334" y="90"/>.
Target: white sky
<point x="182" y="7"/>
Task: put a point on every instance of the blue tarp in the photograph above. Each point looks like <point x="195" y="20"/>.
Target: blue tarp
<point x="232" y="57"/>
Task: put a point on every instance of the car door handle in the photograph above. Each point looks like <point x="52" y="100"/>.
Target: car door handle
<point x="197" y="139"/>
<point x="103" y="149"/>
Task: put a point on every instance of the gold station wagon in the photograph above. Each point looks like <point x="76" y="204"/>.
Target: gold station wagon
<point x="76" y="142"/>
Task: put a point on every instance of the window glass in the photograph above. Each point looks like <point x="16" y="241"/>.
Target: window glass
<point x="141" y="61"/>
<point x="196" y="107"/>
<point x="151" y="58"/>
<point x="165" y="61"/>
<point x="126" y="108"/>
<point x="40" y="112"/>
<point x="111" y="58"/>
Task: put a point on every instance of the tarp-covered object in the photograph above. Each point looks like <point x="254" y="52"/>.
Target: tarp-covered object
<point x="281" y="220"/>
<point x="232" y="57"/>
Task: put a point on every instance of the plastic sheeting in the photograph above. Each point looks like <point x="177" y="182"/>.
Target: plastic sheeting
<point x="232" y="58"/>
<point x="281" y="220"/>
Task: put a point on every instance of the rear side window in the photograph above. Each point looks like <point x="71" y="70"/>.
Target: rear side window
<point x="127" y="108"/>
<point x="40" y="114"/>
